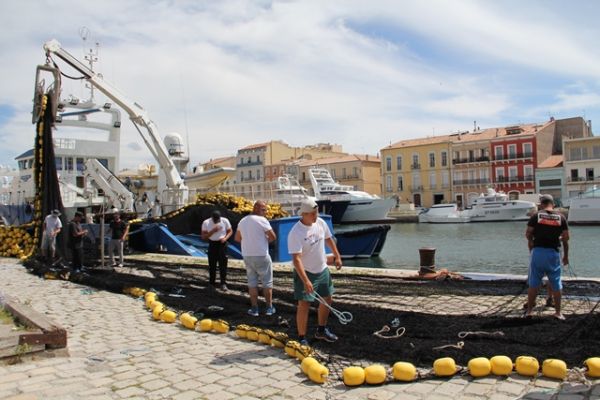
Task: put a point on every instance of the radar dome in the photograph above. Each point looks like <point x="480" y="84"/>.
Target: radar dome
<point x="174" y="143"/>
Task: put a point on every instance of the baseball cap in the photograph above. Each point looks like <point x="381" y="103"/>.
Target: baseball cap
<point x="56" y="213"/>
<point x="308" y="206"/>
<point x="546" y="198"/>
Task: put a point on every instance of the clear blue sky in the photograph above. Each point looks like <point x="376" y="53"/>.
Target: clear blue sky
<point x="363" y="74"/>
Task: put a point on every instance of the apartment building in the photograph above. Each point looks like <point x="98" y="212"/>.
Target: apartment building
<point x="581" y="164"/>
<point x="418" y="170"/>
<point x="505" y="158"/>
<point x="549" y="177"/>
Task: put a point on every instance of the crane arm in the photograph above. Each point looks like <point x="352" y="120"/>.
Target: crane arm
<point x="137" y="114"/>
<point x="120" y="196"/>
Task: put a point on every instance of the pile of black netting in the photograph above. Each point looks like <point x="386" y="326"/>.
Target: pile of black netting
<point x="185" y="288"/>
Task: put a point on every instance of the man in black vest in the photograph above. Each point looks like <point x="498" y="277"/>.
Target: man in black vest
<point x="546" y="230"/>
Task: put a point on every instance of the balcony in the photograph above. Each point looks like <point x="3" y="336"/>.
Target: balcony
<point x="347" y="177"/>
<point x="516" y="156"/>
<point x="416" y="188"/>
<point x="249" y="164"/>
<point x="481" y="181"/>
<point x="514" y="179"/>
<point x="576" y="179"/>
<point x="415" y="166"/>
<point x="470" y="160"/>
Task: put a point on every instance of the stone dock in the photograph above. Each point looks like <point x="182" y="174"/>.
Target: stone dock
<point x="116" y="351"/>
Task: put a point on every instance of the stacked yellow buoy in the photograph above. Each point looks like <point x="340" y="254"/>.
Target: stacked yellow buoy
<point x="501" y="365"/>
<point x="220" y="326"/>
<point x="265" y="336"/>
<point x="206" y="325"/>
<point x="279" y="339"/>
<point x="479" y="367"/>
<point x="242" y="331"/>
<point x="168" y="316"/>
<point x="15" y="241"/>
<point x="375" y="374"/>
<point x="527" y="366"/>
<point x="290" y="348"/>
<point x="188" y="320"/>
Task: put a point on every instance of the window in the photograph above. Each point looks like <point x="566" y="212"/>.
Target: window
<point x="388" y="183"/>
<point x="589" y="174"/>
<point x="355" y="172"/>
<point x="512" y="151"/>
<point x="241" y="175"/>
<point x="444" y="159"/>
<point x="596" y="151"/>
<point x="80" y="165"/>
<point x="388" y="164"/>
<point x="69" y="163"/>
<point x="432" y="180"/>
<point x="445" y="179"/>
<point x="249" y="174"/>
<point x="512" y="173"/>
<point x="58" y="161"/>
<point x="431" y="160"/>
<point x="498" y="153"/>
<point x="528" y="172"/>
<point x="574" y="175"/>
<point x="399" y="163"/>
<point x="527" y="150"/>
<point x="415" y="164"/>
<point x="344" y="172"/>
<point x="257" y="159"/>
<point x="400" y="184"/>
<point x="333" y="172"/>
<point x="500" y="174"/>
<point x="258" y="174"/>
<point x="104" y="162"/>
<point x="471" y="155"/>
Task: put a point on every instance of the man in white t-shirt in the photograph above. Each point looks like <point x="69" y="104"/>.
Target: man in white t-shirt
<point x="255" y="233"/>
<point x="52" y="227"/>
<point x="306" y="244"/>
<point x="217" y="230"/>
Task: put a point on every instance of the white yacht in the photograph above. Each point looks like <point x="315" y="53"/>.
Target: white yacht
<point x="497" y="206"/>
<point x="489" y="207"/>
<point x="363" y="207"/>
<point x="585" y="208"/>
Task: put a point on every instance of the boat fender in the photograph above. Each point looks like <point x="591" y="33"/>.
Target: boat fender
<point x="552" y="368"/>
<point x="593" y="366"/>
<point x="501" y="365"/>
<point x="444" y="366"/>
<point x="206" y="325"/>
<point x="527" y="366"/>
<point x="353" y="376"/>
<point x="479" y="367"/>
<point x="404" y="371"/>
<point x="375" y="374"/>
<point x="318" y="373"/>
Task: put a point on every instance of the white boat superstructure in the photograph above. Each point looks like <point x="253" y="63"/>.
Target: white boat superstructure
<point x="363" y="207"/>
<point x="444" y="214"/>
<point x="497" y="206"/>
<point x="585" y="208"/>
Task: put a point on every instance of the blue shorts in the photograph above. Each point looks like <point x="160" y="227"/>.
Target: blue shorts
<point x="259" y="268"/>
<point x="544" y="261"/>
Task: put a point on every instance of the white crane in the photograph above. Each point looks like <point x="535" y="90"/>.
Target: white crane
<point x="175" y="193"/>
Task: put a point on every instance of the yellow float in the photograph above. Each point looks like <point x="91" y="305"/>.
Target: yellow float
<point x="221" y="326"/>
<point x="353" y="376"/>
<point x="188" y="320"/>
<point x="241" y="331"/>
<point x="303" y="351"/>
<point x="290" y="348"/>
<point x="206" y="325"/>
<point x="479" y="367"/>
<point x="375" y="374"/>
<point x="404" y="371"/>
<point x="593" y="366"/>
<point x="265" y="336"/>
<point x="318" y="373"/>
<point x="501" y="365"/>
<point x="306" y="363"/>
<point x="156" y="311"/>
<point x="168" y="316"/>
<point x="556" y="369"/>
<point x="279" y="339"/>
<point x="444" y="366"/>
<point x="253" y="334"/>
<point x="527" y="366"/>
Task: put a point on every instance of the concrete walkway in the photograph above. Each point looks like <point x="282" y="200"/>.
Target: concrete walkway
<point x="115" y="350"/>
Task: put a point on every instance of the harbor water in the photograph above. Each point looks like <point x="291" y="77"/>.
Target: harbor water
<point x="497" y="248"/>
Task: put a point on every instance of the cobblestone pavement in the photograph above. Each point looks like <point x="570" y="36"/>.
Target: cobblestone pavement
<point x="116" y="351"/>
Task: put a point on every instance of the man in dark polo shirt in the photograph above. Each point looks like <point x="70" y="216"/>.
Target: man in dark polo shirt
<point x="546" y="230"/>
<point x="119" y="230"/>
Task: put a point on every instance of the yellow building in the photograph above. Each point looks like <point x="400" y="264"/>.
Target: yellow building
<point x="418" y="170"/>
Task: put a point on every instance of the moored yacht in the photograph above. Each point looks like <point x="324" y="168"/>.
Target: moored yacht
<point x="585" y="208"/>
<point x="444" y="214"/>
<point x="362" y="207"/>
<point x="497" y="206"/>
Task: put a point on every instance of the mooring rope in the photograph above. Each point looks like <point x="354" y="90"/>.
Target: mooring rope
<point x="458" y="346"/>
<point x="464" y="334"/>
<point x="344" y="317"/>
<point x="399" y="332"/>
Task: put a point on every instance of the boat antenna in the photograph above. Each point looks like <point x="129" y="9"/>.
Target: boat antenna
<point x="185" y="118"/>
<point x="91" y="55"/>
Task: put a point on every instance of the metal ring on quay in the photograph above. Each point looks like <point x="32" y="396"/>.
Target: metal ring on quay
<point x="343" y="316"/>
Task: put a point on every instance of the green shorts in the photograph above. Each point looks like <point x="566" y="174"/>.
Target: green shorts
<point x="322" y="284"/>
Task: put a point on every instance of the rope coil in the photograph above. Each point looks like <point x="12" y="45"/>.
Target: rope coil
<point x="399" y="332"/>
<point x="344" y="317"/>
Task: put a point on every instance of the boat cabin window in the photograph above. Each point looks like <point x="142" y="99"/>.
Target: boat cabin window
<point x="59" y="163"/>
<point x="69" y="163"/>
<point x="80" y="165"/>
<point x="104" y="162"/>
